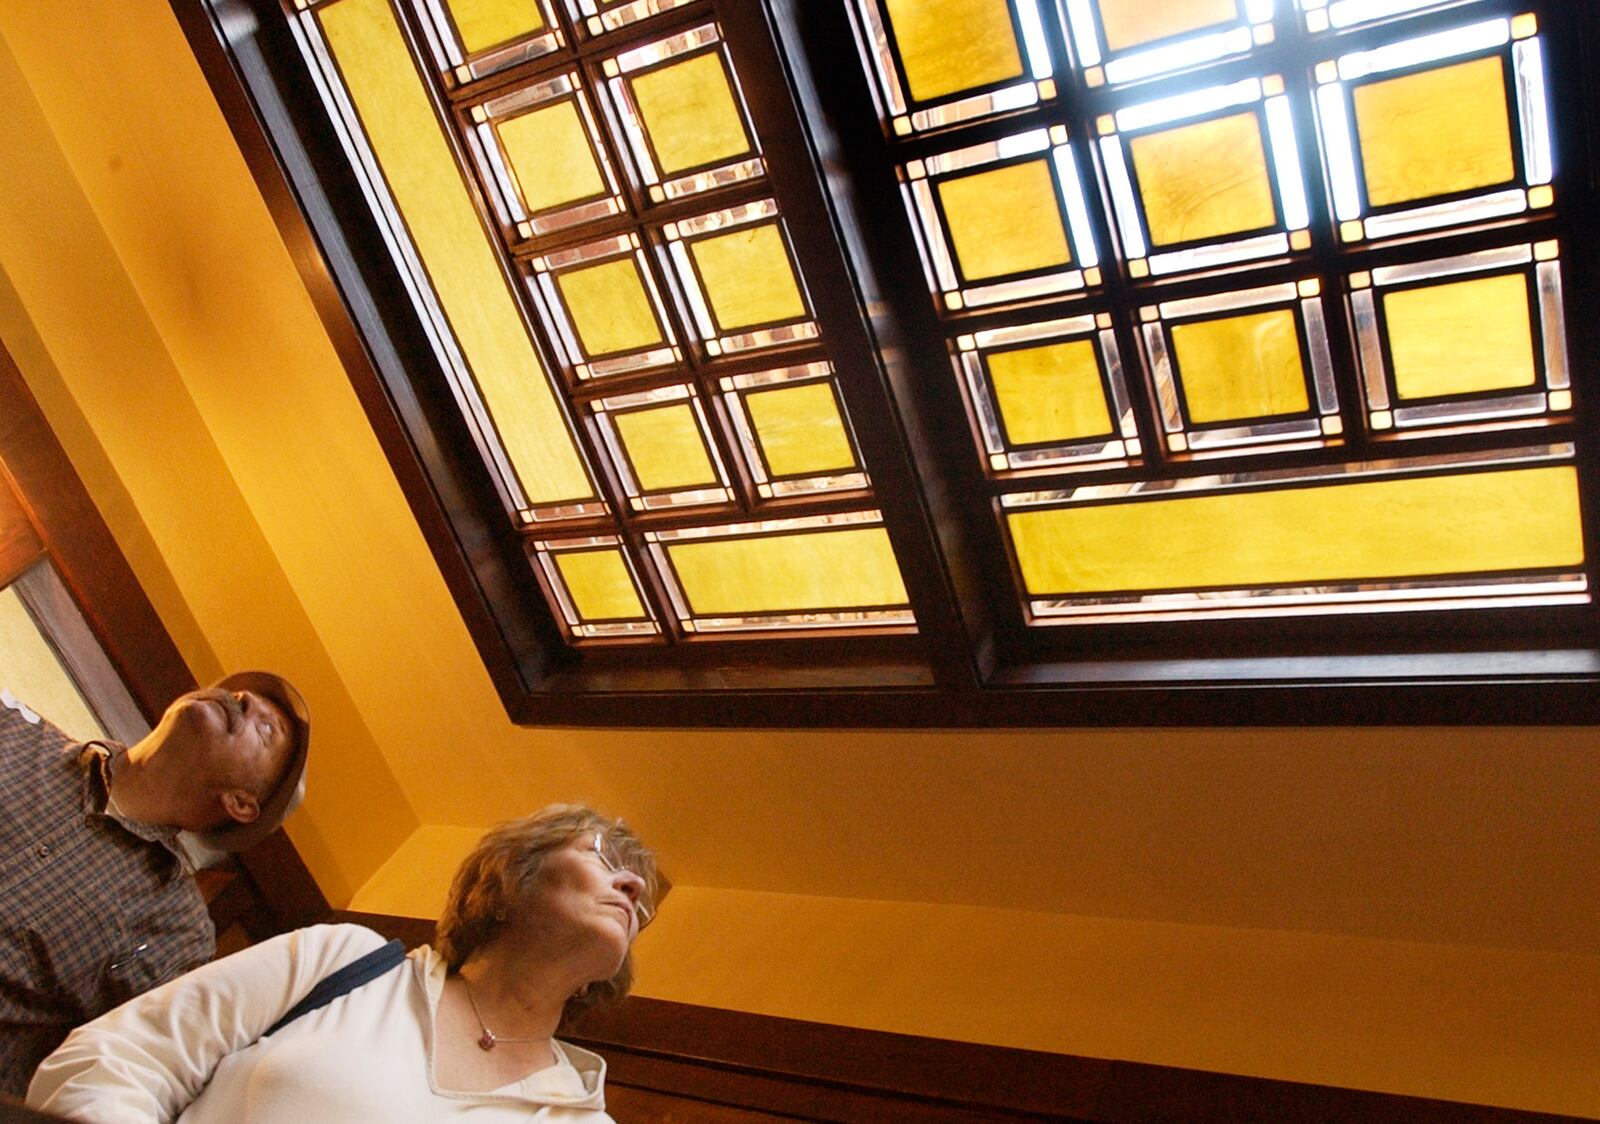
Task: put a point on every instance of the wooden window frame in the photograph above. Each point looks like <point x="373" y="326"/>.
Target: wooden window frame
<point x="973" y="662"/>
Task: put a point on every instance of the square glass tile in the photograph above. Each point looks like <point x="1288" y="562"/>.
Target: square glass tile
<point x="1243" y="371"/>
<point x="661" y="446"/>
<point x="1477" y="340"/>
<point x="595" y="589"/>
<point x="942" y="62"/>
<point x="1206" y="179"/>
<point x="539" y="151"/>
<point x="1438" y="130"/>
<point x="1434" y="132"/>
<point x="604" y="309"/>
<point x="740" y="279"/>
<point x="793" y="430"/>
<point x="1203" y="181"/>
<point x="682" y="115"/>
<point x="1049" y="395"/>
<point x="471" y="39"/>
<point x="1237" y="367"/>
<point x="1004" y="220"/>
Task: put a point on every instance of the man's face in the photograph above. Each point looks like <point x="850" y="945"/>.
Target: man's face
<point x="216" y="742"/>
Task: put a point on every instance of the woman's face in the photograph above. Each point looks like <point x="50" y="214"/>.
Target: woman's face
<point x="579" y="907"/>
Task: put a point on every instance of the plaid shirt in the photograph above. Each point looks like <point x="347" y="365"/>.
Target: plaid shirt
<point x="93" y="909"/>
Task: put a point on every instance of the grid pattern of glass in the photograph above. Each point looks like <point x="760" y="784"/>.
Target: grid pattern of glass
<point x="1256" y="305"/>
<point x="576" y="194"/>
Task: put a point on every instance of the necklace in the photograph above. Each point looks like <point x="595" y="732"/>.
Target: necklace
<point x="488" y="1040"/>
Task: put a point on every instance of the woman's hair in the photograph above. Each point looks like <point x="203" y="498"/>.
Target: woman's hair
<point x="493" y="881"/>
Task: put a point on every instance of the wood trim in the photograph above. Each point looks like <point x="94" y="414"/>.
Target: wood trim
<point x="817" y="1071"/>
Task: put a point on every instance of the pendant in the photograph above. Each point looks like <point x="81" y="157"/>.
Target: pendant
<point x="486" y="1041"/>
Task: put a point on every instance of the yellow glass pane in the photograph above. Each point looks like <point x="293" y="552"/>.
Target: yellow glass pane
<point x="609" y="307"/>
<point x="1050" y="393"/>
<point x="952" y="45"/>
<point x="747" y="277"/>
<point x="1461" y="337"/>
<point x="815" y="570"/>
<point x="1204" y="180"/>
<point x="688" y="109"/>
<point x="1128" y="23"/>
<point x="1005" y="221"/>
<point x="549" y="154"/>
<point x="665" y="447"/>
<point x="33" y="672"/>
<point x="428" y="189"/>
<point x="1506" y="520"/>
<point x="1241" y="367"/>
<point x="600" y="586"/>
<point x="800" y="429"/>
<point x="1434" y="132"/>
<point x="488" y="23"/>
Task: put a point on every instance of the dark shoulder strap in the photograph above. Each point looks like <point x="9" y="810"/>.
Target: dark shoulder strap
<point x="342" y="981"/>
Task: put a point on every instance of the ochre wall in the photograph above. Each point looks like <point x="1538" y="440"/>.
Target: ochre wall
<point x="943" y="883"/>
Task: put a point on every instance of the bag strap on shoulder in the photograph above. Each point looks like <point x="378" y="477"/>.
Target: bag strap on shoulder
<point x="342" y="981"/>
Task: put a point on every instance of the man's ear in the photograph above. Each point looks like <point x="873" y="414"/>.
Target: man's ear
<point x="240" y="805"/>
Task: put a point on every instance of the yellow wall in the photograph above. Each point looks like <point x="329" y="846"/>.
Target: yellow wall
<point x="940" y="883"/>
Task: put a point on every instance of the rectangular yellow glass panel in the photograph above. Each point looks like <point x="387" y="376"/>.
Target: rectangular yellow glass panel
<point x="488" y="23"/>
<point x="665" y="447"/>
<point x="747" y="277"/>
<point x="600" y="586"/>
<point x="609" y="307"/>
<point x="1435" y="132"/>
<point x="1513" y="519"/>
<point x="430" y="193"/>
<point x="816" y="570"/>
<point x="1204" y="180"/>
<point x="1128" y="23"/>
<point x="548" y="152"/>
<point x="1461" y="337"/>
<point x="947" y="46"/>
<point x="689" y="112"/>
<point x="1241" y="367"/>
<point x="1005" y="221"/>
<point x="1050" y="393"/>
<point x="800" y="429"/>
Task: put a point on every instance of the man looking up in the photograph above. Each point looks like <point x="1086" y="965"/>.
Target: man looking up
<point x="97" y="902"/>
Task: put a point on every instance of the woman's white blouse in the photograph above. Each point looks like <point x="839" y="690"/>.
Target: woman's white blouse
<point x="192" y="1050"/>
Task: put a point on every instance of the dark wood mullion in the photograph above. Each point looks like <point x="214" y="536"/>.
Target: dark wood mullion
<point x="967" y="586"/>
<point x="1571" y="46"/>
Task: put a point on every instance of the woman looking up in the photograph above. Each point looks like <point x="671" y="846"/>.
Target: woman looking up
<point x="538" y="925"/>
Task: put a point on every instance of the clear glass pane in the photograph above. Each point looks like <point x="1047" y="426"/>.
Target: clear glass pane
<point x="33" y="676"/>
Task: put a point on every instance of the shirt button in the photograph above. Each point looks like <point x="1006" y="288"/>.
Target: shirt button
<point x="44" y="850"/>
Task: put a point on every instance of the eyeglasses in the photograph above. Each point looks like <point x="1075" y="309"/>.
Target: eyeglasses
<point x="643" y="908"/>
